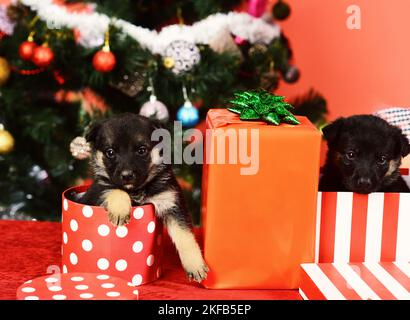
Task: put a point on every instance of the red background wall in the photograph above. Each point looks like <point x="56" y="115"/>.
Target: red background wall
<point x="358" y="71"/>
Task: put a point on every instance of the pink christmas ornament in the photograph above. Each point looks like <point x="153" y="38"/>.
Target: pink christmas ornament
<point x="257" y="8"/>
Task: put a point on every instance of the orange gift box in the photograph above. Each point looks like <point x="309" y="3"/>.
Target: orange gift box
<point x="258" y="216"/>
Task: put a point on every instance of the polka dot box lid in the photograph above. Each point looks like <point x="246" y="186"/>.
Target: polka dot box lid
<point x="77" y="286"/>
<point x="91" y="244"/>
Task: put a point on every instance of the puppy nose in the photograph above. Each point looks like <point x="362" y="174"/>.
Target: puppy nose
<point x="364" y="183"/>
<point x="127" y="175"/>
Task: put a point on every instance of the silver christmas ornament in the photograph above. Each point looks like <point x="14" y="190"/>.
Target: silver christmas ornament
<point x="184" y="54"/>
<point x="80" y="148"/>
<point x="155" y="109"/>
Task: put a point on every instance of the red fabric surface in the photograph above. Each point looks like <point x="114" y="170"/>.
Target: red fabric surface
<point x="29" y="248"/>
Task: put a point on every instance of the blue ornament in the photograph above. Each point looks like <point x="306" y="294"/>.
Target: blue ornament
<point x="188" y="115"/>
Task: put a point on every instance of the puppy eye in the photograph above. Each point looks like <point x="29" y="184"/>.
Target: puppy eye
<point x="350" y="155"/>
<point x="141" y="151"/>
<point x="382" y="160"/>
<point x="110" y="153"/>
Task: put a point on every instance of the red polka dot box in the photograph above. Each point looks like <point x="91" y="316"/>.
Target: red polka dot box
<point x="91" y="244"/>
<point x="77" y="286"/>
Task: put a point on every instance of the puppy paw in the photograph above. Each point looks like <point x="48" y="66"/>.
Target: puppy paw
<point x="197" y="272"/>
<point x="188" y="250"/>
<point x="194" y="265"/>
<point x="119" y="218"/>
<point x="118" y="205"/>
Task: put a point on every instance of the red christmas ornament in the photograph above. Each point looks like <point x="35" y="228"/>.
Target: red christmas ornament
<point x="104" y="60"/>
<point x="26" y="49"/>
<point x="42" y="56"/>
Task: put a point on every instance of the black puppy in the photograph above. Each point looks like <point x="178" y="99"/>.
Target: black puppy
<point x="364" y="156"/>
<point x="128" y="171"/>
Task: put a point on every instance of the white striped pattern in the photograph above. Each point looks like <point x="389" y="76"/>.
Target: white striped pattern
<point x="374" y="227"/>
<point x="323" y="283"/>
<point x="318" y="219"/>
<point x="365" y="288"/>
<point x="388" y="281"/>
<point x="303" y="295"/>
<point x="355" y="282"/>
<point x="404" y="267"/>
<point x="403" y="230"/>
<point x="343" y="226"/>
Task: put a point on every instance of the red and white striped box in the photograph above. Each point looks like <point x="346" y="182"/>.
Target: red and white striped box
<point x="353" y="227"/>
<point x="355" y="281"/>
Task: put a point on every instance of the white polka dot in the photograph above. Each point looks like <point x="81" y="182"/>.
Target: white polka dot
<point x="55" y="288"/>
<point x="138" y="213"/>
<point x="136" y="292"/>
<point x="28" y="281"/>
<point x="65" y="205"/>
<point x="87" y="245"/>
<point x="31" y="298"/>
<point x="65" y="238"/>
<point x="108" y="285"/>
<point x="121" y="231"/>
<point x="28" y="289"/>
<point x="113" y="294"/>
<point x="103" y="277"/>
<point x="77" y="279"/>
<point x="137" y="280"/>
<point x="81" y="287"/>
<point x="103" y="230"/>
<point x="151" y="227"/>
<point x="50" y="280"/>
<point x="59" y="297"/>
<point x="159" y="240"/>
<point x="86" y="295"/>
<point x="65" y="269"/>
<point x="87" y="211"/>
<point x="150" y="260"/>
<point x="121" y="265"/>
<point x="137" y="246"/>
<point x="74" y="225"/>
<point x="73" y="258"/>
<point x="103" y="264"/>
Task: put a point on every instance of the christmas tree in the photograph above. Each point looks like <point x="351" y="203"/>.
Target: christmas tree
<point x="65" y="64"/>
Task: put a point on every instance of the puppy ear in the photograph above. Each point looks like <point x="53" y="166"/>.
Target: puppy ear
<point x="92" y="133"/>
<point x="403" y="143"/>
<point x="331" y="131"/>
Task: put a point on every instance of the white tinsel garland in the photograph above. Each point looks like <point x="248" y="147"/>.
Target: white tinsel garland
<point x="92" y="27"/>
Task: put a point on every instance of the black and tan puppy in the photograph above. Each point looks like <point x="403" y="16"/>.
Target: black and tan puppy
<point x="364" y="156"/>
<point x="128" y="171"/>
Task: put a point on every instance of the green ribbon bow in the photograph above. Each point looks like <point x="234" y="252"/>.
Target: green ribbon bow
<point x="262" y="105"/>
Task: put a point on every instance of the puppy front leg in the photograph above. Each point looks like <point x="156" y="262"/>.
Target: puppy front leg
<point x="118" y="205"/>
<point x="168" y="206"/>
<point x="188" y="249"/>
